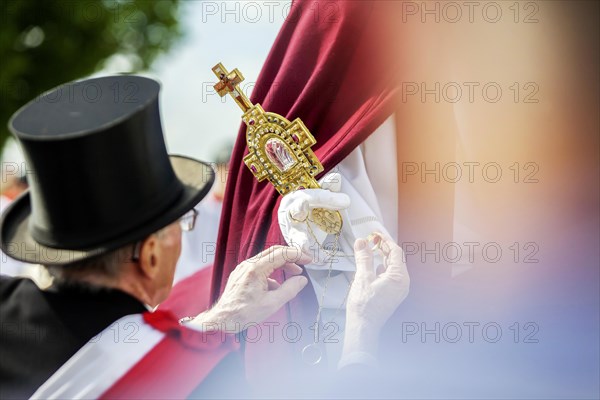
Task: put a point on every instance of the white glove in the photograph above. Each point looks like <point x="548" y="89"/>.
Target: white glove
<point x="295" y="209"/>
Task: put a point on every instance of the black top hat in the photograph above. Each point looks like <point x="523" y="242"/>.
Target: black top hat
<point x="100" y="176"/>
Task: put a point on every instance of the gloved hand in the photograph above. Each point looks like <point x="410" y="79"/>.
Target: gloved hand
<point x="295" y="209"/>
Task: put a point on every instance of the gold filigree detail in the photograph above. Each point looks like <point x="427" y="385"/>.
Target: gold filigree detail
<point x="278" y="150"/>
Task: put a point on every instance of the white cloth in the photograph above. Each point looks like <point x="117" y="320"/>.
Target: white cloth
<point x="369" y="177"/>
<point x="359" y="357"/>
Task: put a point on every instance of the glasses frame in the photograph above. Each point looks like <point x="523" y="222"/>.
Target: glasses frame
<point x="194" y="216"/>
<point x="137" y="247"/>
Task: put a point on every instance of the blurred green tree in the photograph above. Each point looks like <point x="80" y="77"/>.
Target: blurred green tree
<point x="46" y="43"/>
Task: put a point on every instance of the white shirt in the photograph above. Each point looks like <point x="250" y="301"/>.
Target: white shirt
<point x="369" y="178"/>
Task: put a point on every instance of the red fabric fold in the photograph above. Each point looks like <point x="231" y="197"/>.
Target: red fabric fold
<point x="328" y="66"/>
<point x="190" y="296"/>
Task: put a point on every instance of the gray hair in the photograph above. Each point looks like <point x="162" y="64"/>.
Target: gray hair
<point x="107" y="265"/>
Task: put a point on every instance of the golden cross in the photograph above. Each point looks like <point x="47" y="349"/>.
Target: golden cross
<point x="228" y="82"/>
<point x="278" y="150"/>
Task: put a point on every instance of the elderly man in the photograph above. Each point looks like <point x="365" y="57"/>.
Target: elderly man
<point x="105" y="214"/>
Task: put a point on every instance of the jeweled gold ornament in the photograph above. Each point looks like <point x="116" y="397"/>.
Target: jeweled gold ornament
<point x="278" y="150"/>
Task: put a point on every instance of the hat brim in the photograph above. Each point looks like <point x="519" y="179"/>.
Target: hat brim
<point x="16" y="241"/>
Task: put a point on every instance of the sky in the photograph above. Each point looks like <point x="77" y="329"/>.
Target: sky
<point x="196" y="121"/>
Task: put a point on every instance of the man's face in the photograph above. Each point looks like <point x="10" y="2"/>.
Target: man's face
<point x="168" y="252"/>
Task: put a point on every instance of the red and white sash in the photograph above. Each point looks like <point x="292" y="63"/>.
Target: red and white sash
<point x="140" y="356"/>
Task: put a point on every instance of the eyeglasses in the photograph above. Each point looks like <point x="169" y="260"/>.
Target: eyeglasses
<point x="187" y="223"/>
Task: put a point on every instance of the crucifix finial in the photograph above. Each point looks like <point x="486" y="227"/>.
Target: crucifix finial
<point x="278" y="150"/>
<point x="228" y="83"/>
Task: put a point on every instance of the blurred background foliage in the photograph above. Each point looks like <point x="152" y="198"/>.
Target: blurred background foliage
<point x="46" y="43"/>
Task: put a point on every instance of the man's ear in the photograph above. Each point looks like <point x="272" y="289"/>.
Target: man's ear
<point x="148" y="262"/>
